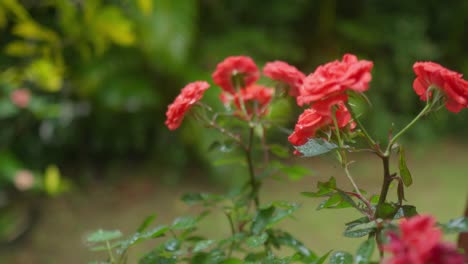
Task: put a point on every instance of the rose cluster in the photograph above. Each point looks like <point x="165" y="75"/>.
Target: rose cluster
<point x="237" y="76"/>
<point x="419" y="242"/>
<point x="324" y="91"/>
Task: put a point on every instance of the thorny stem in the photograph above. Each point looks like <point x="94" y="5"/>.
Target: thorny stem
<point x="253" y="181"/>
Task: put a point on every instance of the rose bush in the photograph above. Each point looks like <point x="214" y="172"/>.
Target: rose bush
<point x="328" y="124"/>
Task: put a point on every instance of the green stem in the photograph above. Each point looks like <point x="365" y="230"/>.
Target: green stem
<point x="253" y="181"/>
<point x="233" y="232"/>
<point x="352" y="181"/>
<point x="344" y="161"/>
<point x="363" y="129"/>
<point x="109" y="251"/>
<point x="408" y="126"/>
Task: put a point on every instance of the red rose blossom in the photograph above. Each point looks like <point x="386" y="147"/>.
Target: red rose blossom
<point x="255" y="98"/>
<point x="334" y="78"/>
<point x="20" y="97"/>
<point x="419" y="243"/>
<point x="188" y="96"/>
<point x="235" y="65"/>
<point x="281" y="71"/>
<point x="449" y="82"/>
<point x="318" y="117"/>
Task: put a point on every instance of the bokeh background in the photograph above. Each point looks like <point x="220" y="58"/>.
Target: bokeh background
<point x="84" y="85"/>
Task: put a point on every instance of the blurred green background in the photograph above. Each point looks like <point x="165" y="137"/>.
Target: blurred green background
<point x="100" y="75"/>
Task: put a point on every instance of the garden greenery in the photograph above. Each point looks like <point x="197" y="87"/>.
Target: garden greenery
<point x="329" y="124"/>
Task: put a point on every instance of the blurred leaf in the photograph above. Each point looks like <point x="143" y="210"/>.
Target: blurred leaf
<point x="167" y="34"/>
<point x="322" y="259"/>
<point x="359" y="228"/>
<point x="257" y="240"/>
<point x="16" y="8"/>
<point x="146" y="6"/>
<point x="9" y="165"/>
<point x="7" y="108"/>
<point x="365" y="251"/>
<point x="405" y="174"/>
<point x="316" y="147"/>
<point x="47" y="75"/>
<point x="172" y="244"/>
<point x="295" y="172"/>
<point x="52" y="180"/>
<point x="232" y="261"/>
<point x="457" y="225"/>
<point x="20" y="49"/>
<point x="184" y="223"/>
<point x="103" y="236"/>
<point x="262" y="219"/>
<point x="112" y="24"/>
<point x="202" y="245"/>
<point x="341" y="257"/>
<point x="279" y="150"/>
<point x="31" y="30"/>
<point x="287" y="239"/>
<point x="147" y="222"/>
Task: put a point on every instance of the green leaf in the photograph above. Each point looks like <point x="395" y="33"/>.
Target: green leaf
<point x="279" y="151"/>
<point x="330" y="202"/>
<point x="295" y="172"/>
<point x="322" y="259"/>
<point x="103" y="235"/>
<point x="147" y="222"/>
<point x="232" y="261"/>
<point x="172" y="244"/>
<point x="341" y="257"/>
<point x="405" y="211"/>
<point x="262" y="219"/>
<point x="457" y="225"/>
<point x="316" y="147"/>
<point x="365" y="251"/>
<point x="196" y="198"/>
<point x="167" y="34"/>
<point x="230" y="161"/>
<point x="257" y="240"/>
<point x="405" y="174"/>
<point x="325" y="188"/>
<point x="182" y="223"/>
<point x="387" y="211"/>
<point x="202" y="245"/>
<point x="360" y="230"/>
<point x="286" y="239"/>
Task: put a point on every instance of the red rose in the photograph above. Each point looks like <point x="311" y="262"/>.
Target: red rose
<point x="307" y="125"/>
<point x="419" y="243"/>
<point x="318" y="117"/>
<point x="232" y="66"/>
<point x="449" y="82"/>
<point x="20" y="97"/>
<point x="334" y="78"/>
<point x="256" y="99"/>
<point x="188" y="96"/>
<point x="283" y="72"/>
